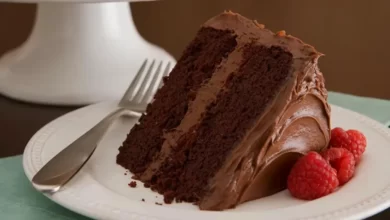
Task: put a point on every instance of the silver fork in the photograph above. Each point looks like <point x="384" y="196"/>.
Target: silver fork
<point x="63" y="167"/>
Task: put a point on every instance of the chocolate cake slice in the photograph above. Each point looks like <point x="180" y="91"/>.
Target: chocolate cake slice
<point x="239" y="108"/>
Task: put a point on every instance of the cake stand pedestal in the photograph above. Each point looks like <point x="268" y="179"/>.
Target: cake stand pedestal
<point x="77" y="53"/>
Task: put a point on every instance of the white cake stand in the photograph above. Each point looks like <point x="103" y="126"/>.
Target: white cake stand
<point x="78" y="53"/>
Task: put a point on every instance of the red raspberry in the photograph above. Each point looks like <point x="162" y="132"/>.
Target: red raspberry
<point x="358" y="144"/>
<point x="312" y="177"/>
<point x="343" y="161"/>
<point x="352" y="140"/>
<point x="338" y="138"/>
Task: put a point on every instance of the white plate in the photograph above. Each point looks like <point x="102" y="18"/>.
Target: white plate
<point x="100" y="190"/>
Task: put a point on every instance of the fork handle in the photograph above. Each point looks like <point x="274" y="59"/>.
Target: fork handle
<point x="62" y="167"/>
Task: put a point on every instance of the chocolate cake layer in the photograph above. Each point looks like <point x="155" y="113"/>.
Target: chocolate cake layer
<point x="262" y="107"/>
<point x="195" y="67"/>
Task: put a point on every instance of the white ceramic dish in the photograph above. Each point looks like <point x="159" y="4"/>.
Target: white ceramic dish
<point x="100" y="190"/>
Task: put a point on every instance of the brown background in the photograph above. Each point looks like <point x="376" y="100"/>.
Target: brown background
<point x="353" y="34"/>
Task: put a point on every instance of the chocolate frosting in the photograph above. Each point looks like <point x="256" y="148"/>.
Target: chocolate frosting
<point x="296" y="122"/>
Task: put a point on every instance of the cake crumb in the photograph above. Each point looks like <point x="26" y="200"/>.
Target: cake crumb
<point x="158" y="203"/>
<point x="169" y="197"/>
<point x="133" y="184"/>
<point x="143" y="200"/>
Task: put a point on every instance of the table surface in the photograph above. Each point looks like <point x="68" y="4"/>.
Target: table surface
<point x="19" y="121"/>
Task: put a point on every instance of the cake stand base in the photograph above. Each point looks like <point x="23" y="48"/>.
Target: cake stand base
<point x="77" y="54"/>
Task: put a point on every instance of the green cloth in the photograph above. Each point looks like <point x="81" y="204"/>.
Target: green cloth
<point x="377" y="109"/>
<point x="18" y="199"/>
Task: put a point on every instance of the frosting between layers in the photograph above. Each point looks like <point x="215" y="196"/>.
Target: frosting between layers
<point x="206" y="95"/>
